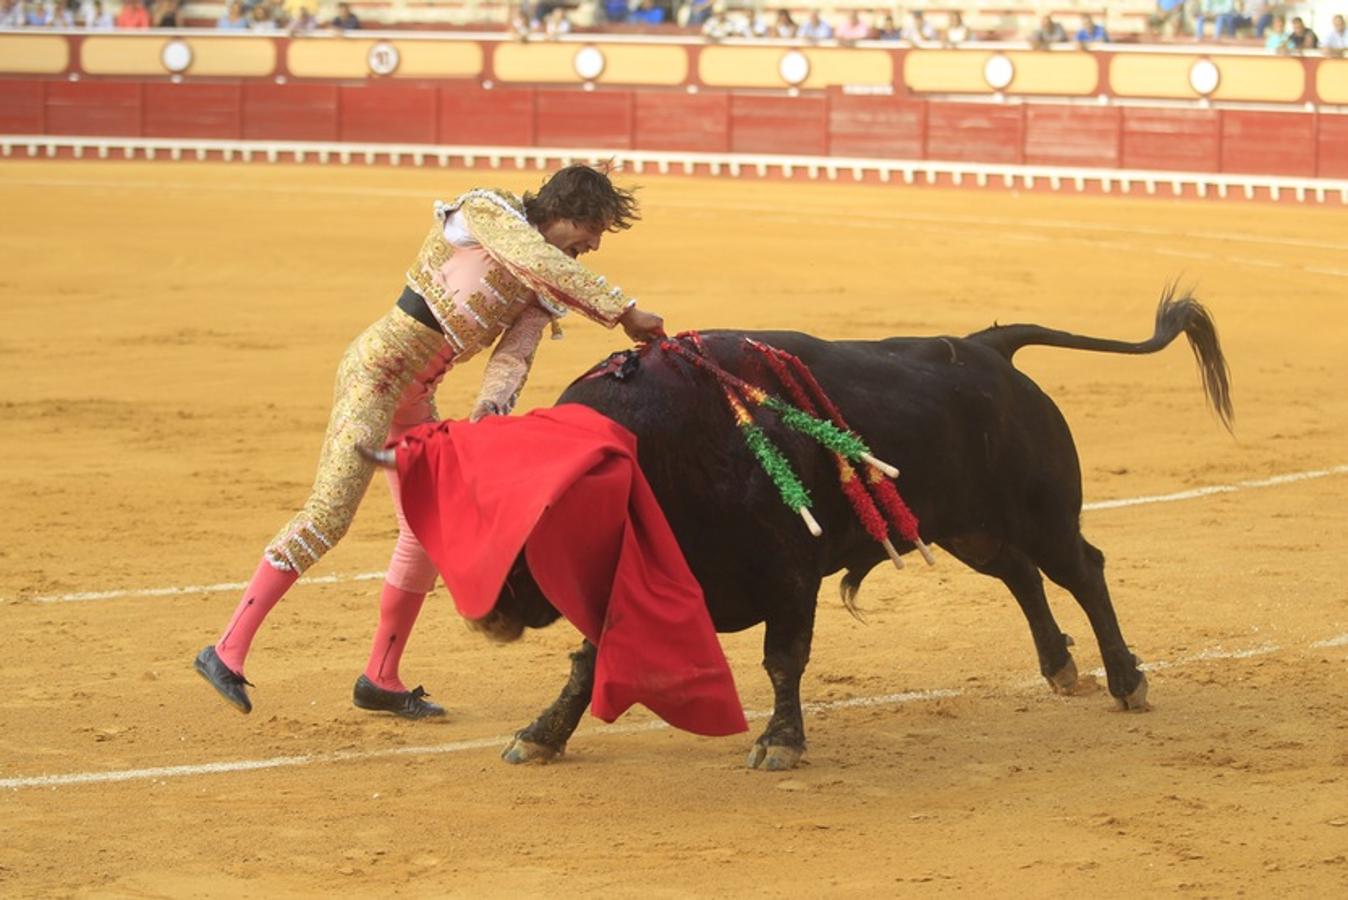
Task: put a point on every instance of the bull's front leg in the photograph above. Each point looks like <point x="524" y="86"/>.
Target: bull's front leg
<point x="786" y="651"/>
<point x="546" y="738"/>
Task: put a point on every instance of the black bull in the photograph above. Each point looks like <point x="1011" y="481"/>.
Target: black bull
<point x="988" y="466"/>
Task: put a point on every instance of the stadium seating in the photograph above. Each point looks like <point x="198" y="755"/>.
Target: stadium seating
<point x="989" y="19"/>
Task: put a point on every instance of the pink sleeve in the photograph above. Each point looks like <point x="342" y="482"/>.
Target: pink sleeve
<point x="508" y="368"/>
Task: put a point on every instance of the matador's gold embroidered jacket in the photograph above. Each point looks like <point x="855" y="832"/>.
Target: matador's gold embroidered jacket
<point x="498" y="278"/>
<point x="515" y="273"/>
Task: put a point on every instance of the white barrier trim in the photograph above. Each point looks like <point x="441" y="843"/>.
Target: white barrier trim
<point x="738" y="164"/>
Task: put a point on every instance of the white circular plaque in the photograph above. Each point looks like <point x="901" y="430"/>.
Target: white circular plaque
<point x="383" y="58"/>
<point x="176" y="56"/>
<point x="589" y="63"/>
<point x="1204" y="76"/>
<point x="999" y="72"/>
<point x="794" y="67"/>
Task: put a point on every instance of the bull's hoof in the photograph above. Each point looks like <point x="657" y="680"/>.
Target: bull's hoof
<point x="520" y="751"/>
<point x="1064" y="681"/>
<point x="1137" y="700"/>
<point x="773" y="759"/>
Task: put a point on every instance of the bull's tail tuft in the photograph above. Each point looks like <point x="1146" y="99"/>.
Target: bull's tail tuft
<point x="1178" y="312"/>
<point x="849" y="586"/>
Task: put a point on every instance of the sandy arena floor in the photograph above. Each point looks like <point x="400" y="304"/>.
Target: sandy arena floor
<point x="170" y="333"/>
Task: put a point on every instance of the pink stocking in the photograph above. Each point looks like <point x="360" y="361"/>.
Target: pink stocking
<point x="398" y="611"/>
<point x="266" y="588"/>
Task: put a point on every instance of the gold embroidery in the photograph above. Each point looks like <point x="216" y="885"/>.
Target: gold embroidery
<point x="376" y="371"/>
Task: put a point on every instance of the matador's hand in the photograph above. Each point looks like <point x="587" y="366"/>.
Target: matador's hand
<point x="641" y="325"/>
<point x="485" y="408"/>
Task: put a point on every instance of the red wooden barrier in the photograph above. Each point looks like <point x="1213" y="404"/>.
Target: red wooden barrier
<point x="192" y="110"/>
<point x="503" y="117"/>
<point x="1332" y="147"/>
<point x="666" y="120"/>
<point x="93" y="107"/>
<point x="765" y="124"/>
<point x="1187" y="140"/>
<point x="880" y="127"/>
<point x="1268" y="143"/>
<point x="387" y="113"/>
<point x="22" y="107"/>
<point x="1072" y="136"/>
<point x="296" y="112"/>
<point x="600" y="119"/>
<point x="975" y="132"/>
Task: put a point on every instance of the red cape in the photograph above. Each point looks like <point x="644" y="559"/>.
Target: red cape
<point x="564" y="484"/>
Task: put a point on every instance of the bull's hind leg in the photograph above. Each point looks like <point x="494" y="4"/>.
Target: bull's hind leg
<point x="786" y="651"/>
<point x="1081" y="570"/>
<point x="994" y="557"/>
<point x="546" y="737"/>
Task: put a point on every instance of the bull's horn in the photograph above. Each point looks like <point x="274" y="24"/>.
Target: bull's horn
<point x="385" y="459"/>
<point x="810" y="522"/>
<point x="881" y="465"/>
<point x="893" y="554"/>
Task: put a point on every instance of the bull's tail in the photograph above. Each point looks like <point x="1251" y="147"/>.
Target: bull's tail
<point x="1173" y="316"/>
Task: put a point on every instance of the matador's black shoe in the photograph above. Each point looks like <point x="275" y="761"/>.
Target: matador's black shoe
<point x="408" y="704"/>
<point x="229" y="683"/>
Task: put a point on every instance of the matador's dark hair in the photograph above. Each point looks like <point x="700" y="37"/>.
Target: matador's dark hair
<point x="583" y="194"/>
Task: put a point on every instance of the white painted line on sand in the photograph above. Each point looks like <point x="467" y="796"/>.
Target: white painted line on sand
<point x="311" y="759"/>
<point x="1217" y="489"/>
<point x="86" y="596"/>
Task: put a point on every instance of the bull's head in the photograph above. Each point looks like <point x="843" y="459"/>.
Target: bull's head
<point x="520" y="605"/>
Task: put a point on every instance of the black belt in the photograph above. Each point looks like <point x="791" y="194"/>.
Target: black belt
<point x="415" y="306"/>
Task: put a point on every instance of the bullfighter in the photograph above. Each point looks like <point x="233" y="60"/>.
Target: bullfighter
<point x="494" y="266"/>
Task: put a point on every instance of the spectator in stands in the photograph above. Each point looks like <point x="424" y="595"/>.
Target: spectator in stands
<point x="521" y="23"/>
<point x="853" y="29"/>
<point x="718" y="27"/>
<point x="260" y="20"/>
<point x="1223" y="14"/>
<point x="615" y="10"/>
<point x="919" y="30"/>
<point x="1254" y="15"/>
<point x="164" y="14"/>
<point x="234" y="18"/>
<point x="785" y="26"/>
<point x="694" y="13"/>
<point x="55" y="15"/>
<point x="1090" y="32"/>
<point x="11" y="14"/>
<point x="1049" y="32"/>
<point x="133" y="15"/>
<point x="750" y="25"/>
<point x="1336" y="42"/>
<point x="278" y="12"/>
<point x="1168" y="12"/>
<point x="304" y="22"/>
<point x="93" y="16"/>
<point x="956" y="31"/>
<point x="1300" y="37"/>
<point x="346" y="20"/>
<point x="1275" y="39"/>
<point x="888" y="29"/>
<point x="815" y="28"/>
<point x="558" y="23"/>
<point x="647" y="14"/>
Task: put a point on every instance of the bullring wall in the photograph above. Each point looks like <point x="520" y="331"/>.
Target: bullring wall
<point x="983" y="111"/>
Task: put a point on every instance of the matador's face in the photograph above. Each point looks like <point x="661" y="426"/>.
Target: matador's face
<point x="571" y="237"/>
